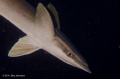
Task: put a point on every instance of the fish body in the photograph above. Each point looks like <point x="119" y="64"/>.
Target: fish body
<point x="40" y="32"/>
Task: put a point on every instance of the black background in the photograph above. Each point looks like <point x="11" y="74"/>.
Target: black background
<point x="91" y="25"/>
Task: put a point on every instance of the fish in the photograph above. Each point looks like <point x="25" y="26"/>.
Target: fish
<point x="42" y="29"/>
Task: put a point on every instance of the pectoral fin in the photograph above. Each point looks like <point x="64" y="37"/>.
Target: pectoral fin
<point x="54" y="13"/>
<point x="43" y="23"/>
<point x="24" y="46"/>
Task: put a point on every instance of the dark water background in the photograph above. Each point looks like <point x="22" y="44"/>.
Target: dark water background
<point x="92" y="26"/>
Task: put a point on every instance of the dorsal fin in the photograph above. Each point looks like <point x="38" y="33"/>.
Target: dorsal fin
<point x="54" y="13"/>
<point x="43" y="23"/>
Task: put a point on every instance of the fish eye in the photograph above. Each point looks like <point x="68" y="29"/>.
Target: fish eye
<point x="69" y="54"/>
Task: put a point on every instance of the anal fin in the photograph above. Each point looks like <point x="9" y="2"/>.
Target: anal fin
<point x="24" y="46"/>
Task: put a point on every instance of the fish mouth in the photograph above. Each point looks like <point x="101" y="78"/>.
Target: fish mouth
<point x="86" y="68"/>
<point x="83" y="67"/>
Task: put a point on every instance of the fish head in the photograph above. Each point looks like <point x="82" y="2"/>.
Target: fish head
<point x="62" y="48"/>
